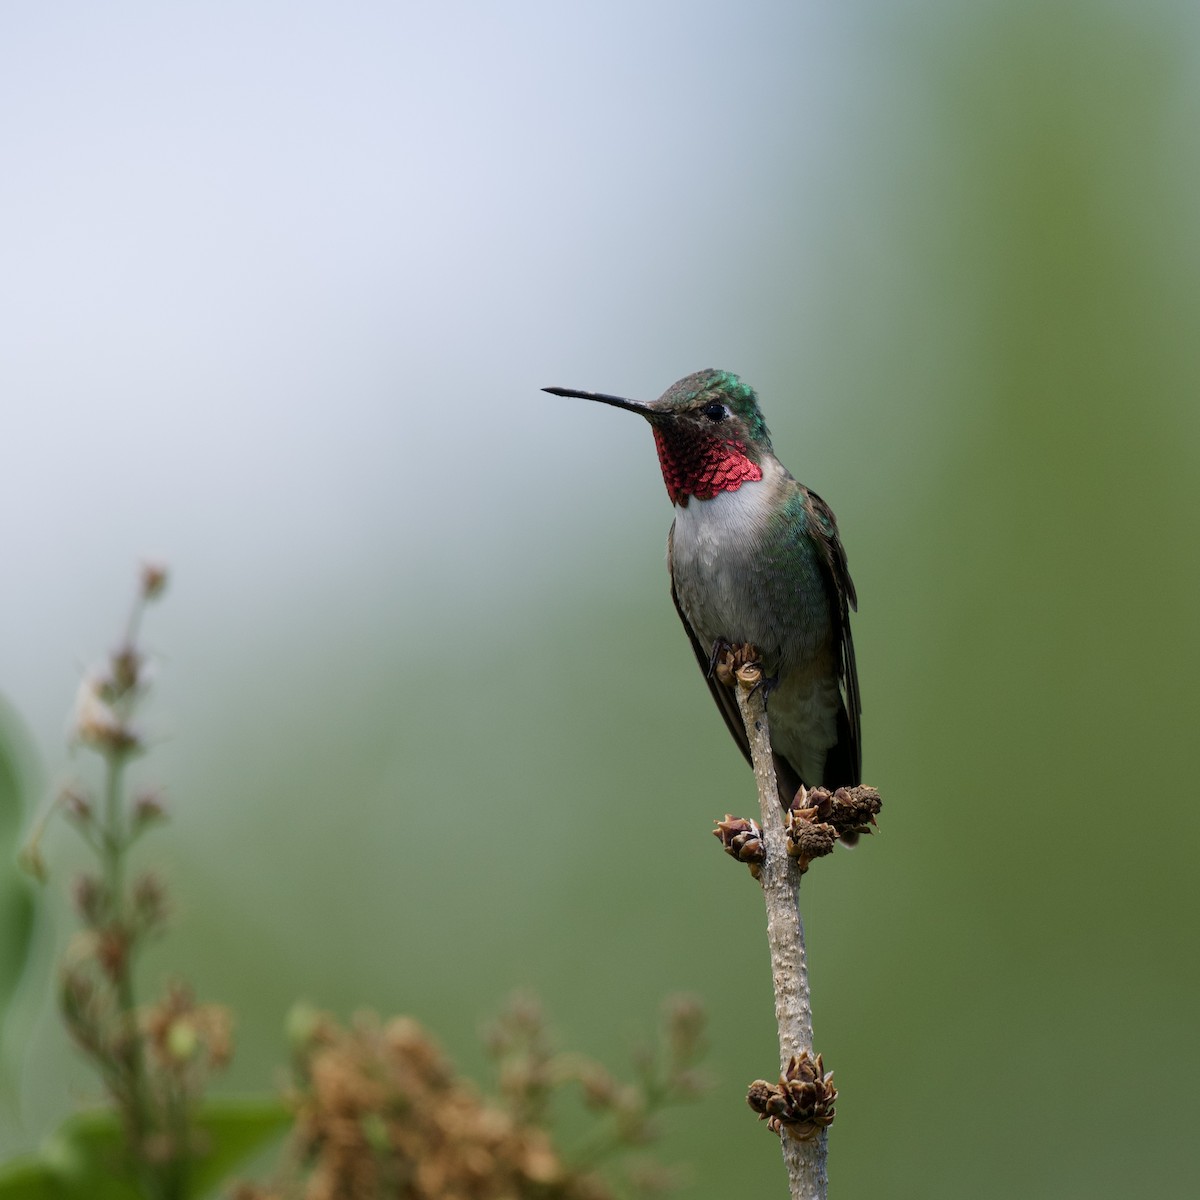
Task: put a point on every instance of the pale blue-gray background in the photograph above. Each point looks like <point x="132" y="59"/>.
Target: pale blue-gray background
<point x="278" y="286"/>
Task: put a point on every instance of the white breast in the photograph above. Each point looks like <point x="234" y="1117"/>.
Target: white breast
<point x="727" y="579"/>
<point x="714" y="562"/>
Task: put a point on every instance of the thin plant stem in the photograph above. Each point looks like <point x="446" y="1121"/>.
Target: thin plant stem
<point x="150" y="1080"/>
<point x="114" y="843"/>
<point x="780" y="878"/>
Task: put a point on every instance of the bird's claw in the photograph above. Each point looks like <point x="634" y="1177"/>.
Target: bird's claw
<point x="728" y="658"/>
<point x="719" y="649"/>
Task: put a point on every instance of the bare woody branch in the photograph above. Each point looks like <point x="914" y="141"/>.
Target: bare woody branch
<point x="801" y="1079"/>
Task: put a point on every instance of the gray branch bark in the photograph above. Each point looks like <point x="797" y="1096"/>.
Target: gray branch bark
<point x="780" y="879"/>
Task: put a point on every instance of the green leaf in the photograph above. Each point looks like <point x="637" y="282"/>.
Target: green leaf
<point x="238" y="1128"/>
<point x="85" y="1158"/>
<point x="28" y="1178"/>
<point x="87" y="1155"/>
<point x="16" y="894"/>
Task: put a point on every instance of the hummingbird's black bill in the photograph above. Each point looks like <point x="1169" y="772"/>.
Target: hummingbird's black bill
<point x="616" y="401"/>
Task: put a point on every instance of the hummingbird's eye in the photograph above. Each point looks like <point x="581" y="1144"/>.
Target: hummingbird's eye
<point x="715" y="411"/>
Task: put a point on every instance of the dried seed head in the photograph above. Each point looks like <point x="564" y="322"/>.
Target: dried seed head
<point x="600" y="1089"/>
<point x="814" y="803"/>
<point x="801" y="1104"/>
<point x="148" y="808"/>
<point x="742" y="839"/>
<point x="126" y="670"/>
<point x="76" y="993"/>
<point x="187" y="1038"/>
<point x="112" y="951"/>
<point x="760" y="1094"/>
<point x="379" y="1105"/>
<point x="149" y="901"/>
<point x="77" y="805"/>
<point x="853" y="810"/>
<point x="808" y="839"/>
<point x="32" y="861"/>
<point x="96" y="722"/>
<point x="90" y="898"/>
<point x="153" y="580"/>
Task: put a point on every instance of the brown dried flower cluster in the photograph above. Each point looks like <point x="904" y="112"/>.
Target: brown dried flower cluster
<point x="818" y="818"/>
<point x="814" y="824"/>
<point x="852" y="811"/>
<point x="806" y="838"/>
<point x="384" y="1114"/>
<point x="801" y="1103"/>
<point x="743" y="840"/>
<point x="186" y="1039"/>
<point x="380" y="1112"/>
<point x="156" y="1060"/>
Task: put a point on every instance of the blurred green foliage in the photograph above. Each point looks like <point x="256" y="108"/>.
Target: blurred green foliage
<point x="79" y="1161"/>
<point x="16" y="898"/>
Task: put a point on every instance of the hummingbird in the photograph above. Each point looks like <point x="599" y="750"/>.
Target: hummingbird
<point x="755" y="556"/>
